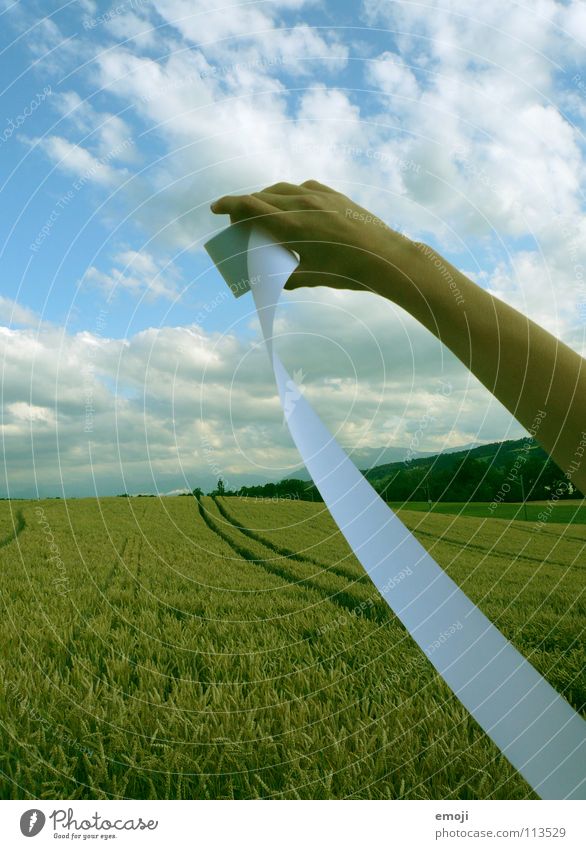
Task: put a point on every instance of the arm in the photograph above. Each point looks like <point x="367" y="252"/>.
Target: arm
<point x="535" y="376"/>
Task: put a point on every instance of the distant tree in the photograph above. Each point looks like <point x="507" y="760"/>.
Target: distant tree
<point x="198" y="492"/>
<point x="221" y="488"/>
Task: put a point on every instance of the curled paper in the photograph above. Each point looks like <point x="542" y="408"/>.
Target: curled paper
<point x="533" y="726"/>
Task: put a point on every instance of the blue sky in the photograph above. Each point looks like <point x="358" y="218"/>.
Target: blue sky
<point x="121" y="122"/>
<point x="58" y="263"/>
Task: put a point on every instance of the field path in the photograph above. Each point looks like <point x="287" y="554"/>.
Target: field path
<point x="279" y="549"/>
<point x="18" y="528"/>
<point x="374" y="609"/>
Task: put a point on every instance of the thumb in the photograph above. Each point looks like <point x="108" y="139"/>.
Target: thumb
<point x="302" y="276"/>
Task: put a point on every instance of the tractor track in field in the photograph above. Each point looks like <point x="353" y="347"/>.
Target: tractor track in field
<point x="18" y="528"/>
<point x="379" y="612"/>
<point x="461" y="544"/>
<point x="520" y="526"/>
<point x="285" y="552"/>
<point x="553" y="535"/>
<point x="282" y="550"/>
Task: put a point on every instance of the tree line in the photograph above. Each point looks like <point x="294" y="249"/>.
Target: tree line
<point x="511" y="475"/>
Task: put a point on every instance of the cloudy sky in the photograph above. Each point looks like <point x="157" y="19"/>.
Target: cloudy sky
<point x="125" y="364"/>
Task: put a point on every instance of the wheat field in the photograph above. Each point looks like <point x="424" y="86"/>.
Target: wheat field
<point x="234" y="648"/>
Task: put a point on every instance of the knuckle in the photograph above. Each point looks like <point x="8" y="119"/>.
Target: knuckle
<point x="319" y="187"/>
<point x="309" y="201"/>
<point x="250" y="201"/>
<point x="279" y="187"/>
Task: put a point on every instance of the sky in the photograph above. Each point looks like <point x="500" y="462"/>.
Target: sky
<point x="126" y="364"/>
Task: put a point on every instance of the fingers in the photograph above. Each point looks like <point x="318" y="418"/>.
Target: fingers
<point x="292" y="202"/>
<point x="310" y="201"/>
<point x="273" y="207"/>
<point x="236" y="205"/>
<point x="292" y="188"/>
<point x="254" y="208"/>
<point x="319" y="187"/>
<point x="282" y="189"/>
<point x="228" y="203"/>
<point x="302" y="277"/>
<point x="305" y="276"/>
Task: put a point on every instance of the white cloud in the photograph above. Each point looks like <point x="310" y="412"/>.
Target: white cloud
<point x="244" y="31"/>
<point x="21" y="411"/>
<point x="389" y="73"/>
<point x="75" y="160"/>
<point x="133" y="27"/>
<point x="106" y="134"/>
<point x="45" y="40"/>
<point x="138" y="272"/>
<point x="467" y="144"/>
<point x="210" y="21"/>
<point x="498" y="159"/>
<point x="168" y="407"/>
<point x="11" y="313"/>
<point x="488" y="152"/>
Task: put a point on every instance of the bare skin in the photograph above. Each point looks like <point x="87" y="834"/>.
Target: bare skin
<point x="538" y="378"/>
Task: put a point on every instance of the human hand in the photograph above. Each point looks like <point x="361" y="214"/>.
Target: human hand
<point x="340" y="244"/>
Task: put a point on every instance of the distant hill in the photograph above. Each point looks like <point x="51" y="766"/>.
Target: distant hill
<point x="374" y="458"/>
<point x="495" y="454"/>
<point x="511" y="471"/>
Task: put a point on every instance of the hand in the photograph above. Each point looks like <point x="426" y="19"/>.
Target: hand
<point x="340" y="244"/>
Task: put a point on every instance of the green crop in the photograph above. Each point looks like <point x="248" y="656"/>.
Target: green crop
<point x="234" y="648"/>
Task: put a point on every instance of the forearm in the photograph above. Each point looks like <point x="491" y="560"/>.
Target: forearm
<point x="527" y="369"/>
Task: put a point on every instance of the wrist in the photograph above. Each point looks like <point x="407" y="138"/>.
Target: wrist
<point x="424" y="283"/>
<point x="398" y="271"/>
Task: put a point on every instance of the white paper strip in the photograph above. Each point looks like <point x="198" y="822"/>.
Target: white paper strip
<point x="537" y="730"/>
